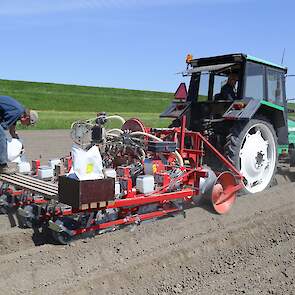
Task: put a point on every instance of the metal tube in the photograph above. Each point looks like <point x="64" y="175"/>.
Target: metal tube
<point x="117" y="117"/>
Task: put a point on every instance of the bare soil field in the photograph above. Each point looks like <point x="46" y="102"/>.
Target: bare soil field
<point x="249" y="251"/>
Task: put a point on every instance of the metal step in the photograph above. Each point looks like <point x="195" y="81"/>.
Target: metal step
<point x="36" y="185"/>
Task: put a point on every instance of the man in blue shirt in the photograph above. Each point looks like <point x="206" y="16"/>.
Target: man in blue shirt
<point x="12" y="111"/>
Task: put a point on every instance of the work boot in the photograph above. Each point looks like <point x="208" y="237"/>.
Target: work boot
<point x="5" y="169"/>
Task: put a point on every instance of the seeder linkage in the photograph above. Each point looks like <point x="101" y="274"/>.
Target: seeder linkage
<point x="158" y="171"/>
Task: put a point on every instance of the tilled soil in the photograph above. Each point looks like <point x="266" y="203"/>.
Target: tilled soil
<point x="249" y="251"/>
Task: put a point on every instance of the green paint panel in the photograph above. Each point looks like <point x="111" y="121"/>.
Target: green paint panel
<point x="291" y="129"/>
<point x="253" y="58"/>
<point x="272" y="105"/>
<point x="283" y="147"/>
<point x="291" y="125"/>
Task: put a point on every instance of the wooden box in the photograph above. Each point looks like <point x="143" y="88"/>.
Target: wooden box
<point x="79" y="194"/>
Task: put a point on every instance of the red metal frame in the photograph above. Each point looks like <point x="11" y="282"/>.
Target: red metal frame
<point x="126" y="220"/>
<point x="189" y="179"/>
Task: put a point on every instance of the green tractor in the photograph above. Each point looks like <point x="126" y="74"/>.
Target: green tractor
<point x="239" y="103"/>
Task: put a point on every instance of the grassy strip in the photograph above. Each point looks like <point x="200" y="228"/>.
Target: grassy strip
<point x="59" y="105"/>
<point x="63" y="120"/>
<point x="73" y="98"/>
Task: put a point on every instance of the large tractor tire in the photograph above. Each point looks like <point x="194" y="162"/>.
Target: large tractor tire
<point x="252" y="148"/>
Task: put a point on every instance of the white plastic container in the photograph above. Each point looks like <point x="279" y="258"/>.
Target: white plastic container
<point x="45" y="172"/>
<point x="53" y="162"/>
<point x="109" y="172"/>
<point x="145" y="184"/>
<point x="24" y="167"/>
<point x="14" y="149"/>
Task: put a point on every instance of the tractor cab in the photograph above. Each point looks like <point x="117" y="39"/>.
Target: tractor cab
<point x="228" y="88"/>
<point x="239" y="103"/>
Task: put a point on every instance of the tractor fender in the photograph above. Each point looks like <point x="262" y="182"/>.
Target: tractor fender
<point x="255" y="108"/>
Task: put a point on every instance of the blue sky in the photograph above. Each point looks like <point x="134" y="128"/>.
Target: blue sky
<point x="138" y="44"/>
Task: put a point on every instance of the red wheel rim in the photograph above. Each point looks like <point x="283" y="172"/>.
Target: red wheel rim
<point x="133" y="125"/>
<point x="223" y="197"/>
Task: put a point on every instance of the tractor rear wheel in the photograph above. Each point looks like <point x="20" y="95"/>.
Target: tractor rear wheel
<point x="252" y="148"/>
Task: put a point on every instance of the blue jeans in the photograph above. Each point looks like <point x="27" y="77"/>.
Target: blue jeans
<point x="3" y="147"/>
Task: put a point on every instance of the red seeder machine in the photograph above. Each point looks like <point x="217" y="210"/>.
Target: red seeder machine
<point x="148" y="173"/>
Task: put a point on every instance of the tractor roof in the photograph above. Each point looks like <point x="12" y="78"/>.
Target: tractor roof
<point x="232" y="58"/>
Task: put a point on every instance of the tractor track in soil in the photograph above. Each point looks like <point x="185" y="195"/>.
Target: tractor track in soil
<point x="249" y="251"/>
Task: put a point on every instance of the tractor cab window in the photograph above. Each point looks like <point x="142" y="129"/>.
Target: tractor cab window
<point x="226" y="86"/>
<point x="220" y="82"/>
<point x="254" y="81"/>
<point x="218" y="86"/>
<point x="275" y="84"/>
<point x="203" y="87"/>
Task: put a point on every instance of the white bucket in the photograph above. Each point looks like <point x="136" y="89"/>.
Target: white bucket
<point x="14" y="149"/>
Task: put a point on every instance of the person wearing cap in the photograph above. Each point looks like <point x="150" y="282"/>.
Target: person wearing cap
<point x="12" y="111"/>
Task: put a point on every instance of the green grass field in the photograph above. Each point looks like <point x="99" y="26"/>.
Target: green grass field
<point x="59" y="105"/>
<point x="64" y="119"/>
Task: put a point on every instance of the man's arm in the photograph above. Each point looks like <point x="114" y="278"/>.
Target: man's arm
<point x="12" y="131"/>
